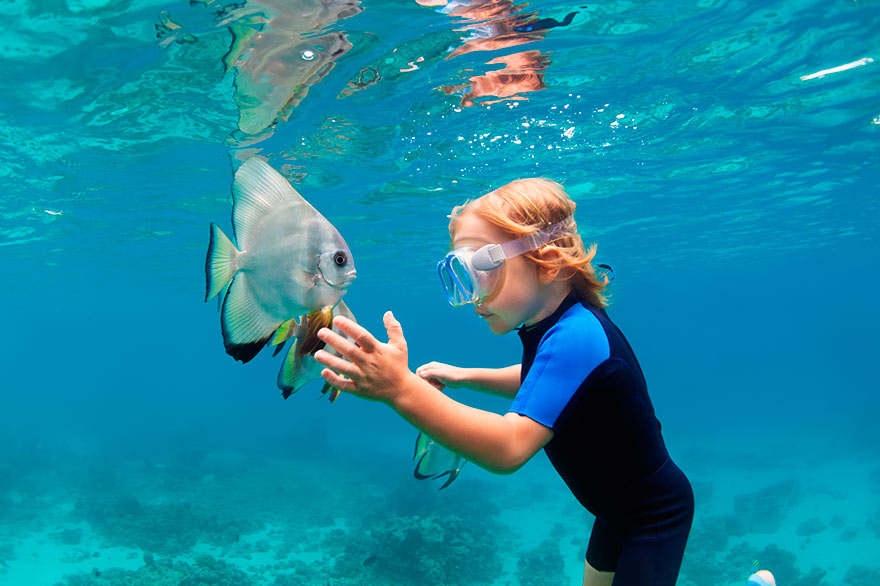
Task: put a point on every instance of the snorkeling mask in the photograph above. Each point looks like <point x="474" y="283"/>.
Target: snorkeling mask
<point x="468" y="273"/>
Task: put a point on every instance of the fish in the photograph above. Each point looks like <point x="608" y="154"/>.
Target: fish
<point x="299" y="366"/>
<point x="278" y="49"/>
<point x="434" y="461"/>
<point x="287" y="260"/>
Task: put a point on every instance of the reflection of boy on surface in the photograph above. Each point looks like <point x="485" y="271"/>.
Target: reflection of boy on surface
<point x="496" y="25"/>
<point x="579" y="392"/>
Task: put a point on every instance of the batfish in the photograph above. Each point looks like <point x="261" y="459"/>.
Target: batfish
<point x="289" y="261"/>
<point x="434" y="461"/>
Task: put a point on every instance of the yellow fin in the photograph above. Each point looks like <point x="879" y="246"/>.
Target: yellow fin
<point x="334" y="392"/>
<point x="323" y="318"/>
<point x="284" y="332"/>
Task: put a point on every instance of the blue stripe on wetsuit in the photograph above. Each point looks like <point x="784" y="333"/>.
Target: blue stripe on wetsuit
<point x="567" y="354"/>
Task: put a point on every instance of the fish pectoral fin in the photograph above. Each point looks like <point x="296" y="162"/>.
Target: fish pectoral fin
<point x="322" y="318"/>
<point x="220" y="264"/>
<point x="246" y="327"/>
<point x="284" y="332"/>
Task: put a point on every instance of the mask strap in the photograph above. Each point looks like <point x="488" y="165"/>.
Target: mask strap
<point x="492" y="255"/>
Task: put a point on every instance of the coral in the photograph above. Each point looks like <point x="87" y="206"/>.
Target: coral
<point x="68" y="536"/>
<point x="763" y="511"/>
<point x="206" y="571"/>
<point x="169" y="528"/>
<point x="861" y="576"/>
<point x="435" y="549"/>
<point x="811" y="527"/>
<point x="709" y="561"/>
<point x="874" y="523"/>
<point x="542" y="566"/>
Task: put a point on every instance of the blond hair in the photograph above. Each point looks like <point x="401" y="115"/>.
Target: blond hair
<point x="526" y="206"/>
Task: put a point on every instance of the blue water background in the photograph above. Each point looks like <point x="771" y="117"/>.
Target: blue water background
<point x="737" y="203"/>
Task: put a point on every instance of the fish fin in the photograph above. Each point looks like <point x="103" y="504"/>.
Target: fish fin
<point x="220" y="264"/>
<point x="453" y="474"/>
<point x="278" y="349"/>
<point x="418" y="474"/>
<point x="246" y="327"/>
<point x="343" y="310"/>
<point x="315" y="321"/>
<point x="334" y="392"/>
<point x="284" y="332"/>
<point x="258" y="190"/>
<point x="421" y="445"/>
<point x="291" y="367"/>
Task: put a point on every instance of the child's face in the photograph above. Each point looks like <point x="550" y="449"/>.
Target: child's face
<point x="519" y="294"/>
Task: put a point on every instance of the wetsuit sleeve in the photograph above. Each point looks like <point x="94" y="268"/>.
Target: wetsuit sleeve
<point x="566" y="356"/>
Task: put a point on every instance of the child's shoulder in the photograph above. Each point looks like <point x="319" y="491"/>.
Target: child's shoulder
<point x="579" y="329"/>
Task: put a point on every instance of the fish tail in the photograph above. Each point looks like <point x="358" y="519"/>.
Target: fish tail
<point x="220" y="264"/>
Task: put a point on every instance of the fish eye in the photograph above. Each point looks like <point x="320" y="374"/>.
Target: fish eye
<point x="340" y="259"/>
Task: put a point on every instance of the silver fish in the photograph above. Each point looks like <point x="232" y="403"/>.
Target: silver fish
<point x="290" y="261"/>
<point x="435" y="461"/>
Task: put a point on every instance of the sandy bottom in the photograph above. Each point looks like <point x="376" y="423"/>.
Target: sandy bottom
<point x="229" y="518"/>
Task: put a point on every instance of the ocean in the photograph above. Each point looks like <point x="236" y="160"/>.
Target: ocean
<point x="723" y="155"/>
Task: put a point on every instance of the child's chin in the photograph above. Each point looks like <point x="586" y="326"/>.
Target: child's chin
<point x="498" y="327"/>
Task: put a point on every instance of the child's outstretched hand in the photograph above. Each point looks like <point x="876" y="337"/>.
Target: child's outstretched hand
<point x="441" y="375"/>
<point x="366" y="366"/>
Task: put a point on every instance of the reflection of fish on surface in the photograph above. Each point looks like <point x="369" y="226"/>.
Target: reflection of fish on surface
<point x="299" y="366"/>
<point x="420" y="53"/>
<point x="276" y="52"/>
<point x="434" y="461"/>
<point x="290" y="261"/>
<point x="276" y="62"/>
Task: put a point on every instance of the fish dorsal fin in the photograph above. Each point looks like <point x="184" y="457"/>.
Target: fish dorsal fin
<point x="257" y="191"/>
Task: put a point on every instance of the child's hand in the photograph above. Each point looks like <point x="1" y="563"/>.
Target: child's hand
<point x="442" y="375"/>
<point x="370" y="369"/>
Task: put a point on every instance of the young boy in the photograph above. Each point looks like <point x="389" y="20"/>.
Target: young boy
<point x="579" y="392"/>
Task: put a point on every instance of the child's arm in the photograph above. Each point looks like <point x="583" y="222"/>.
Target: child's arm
<point x="503" y="382"/>
<point x="377" y="371"/>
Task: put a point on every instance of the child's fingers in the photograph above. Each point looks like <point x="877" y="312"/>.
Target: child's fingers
<point x="436" y="383"/>
<point x="342" y="345"/>
<point x="395" y="330"/>
<point x="361" y="336"/>
<point x="340" y="382"/>
<point x="336" y="363"/>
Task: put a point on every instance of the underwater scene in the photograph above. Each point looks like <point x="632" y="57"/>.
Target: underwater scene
<point x="723" y="156"/>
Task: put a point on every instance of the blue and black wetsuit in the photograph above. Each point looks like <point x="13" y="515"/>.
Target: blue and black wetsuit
<point x="581" y="379"/>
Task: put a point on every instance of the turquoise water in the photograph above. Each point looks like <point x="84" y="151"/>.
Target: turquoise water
<point x="737" y="202"/>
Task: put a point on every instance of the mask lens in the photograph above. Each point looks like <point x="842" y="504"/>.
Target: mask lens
<point x="457" y="280"/>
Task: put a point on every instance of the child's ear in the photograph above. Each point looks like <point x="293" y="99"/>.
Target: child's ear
<point x="548" y="274"/>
